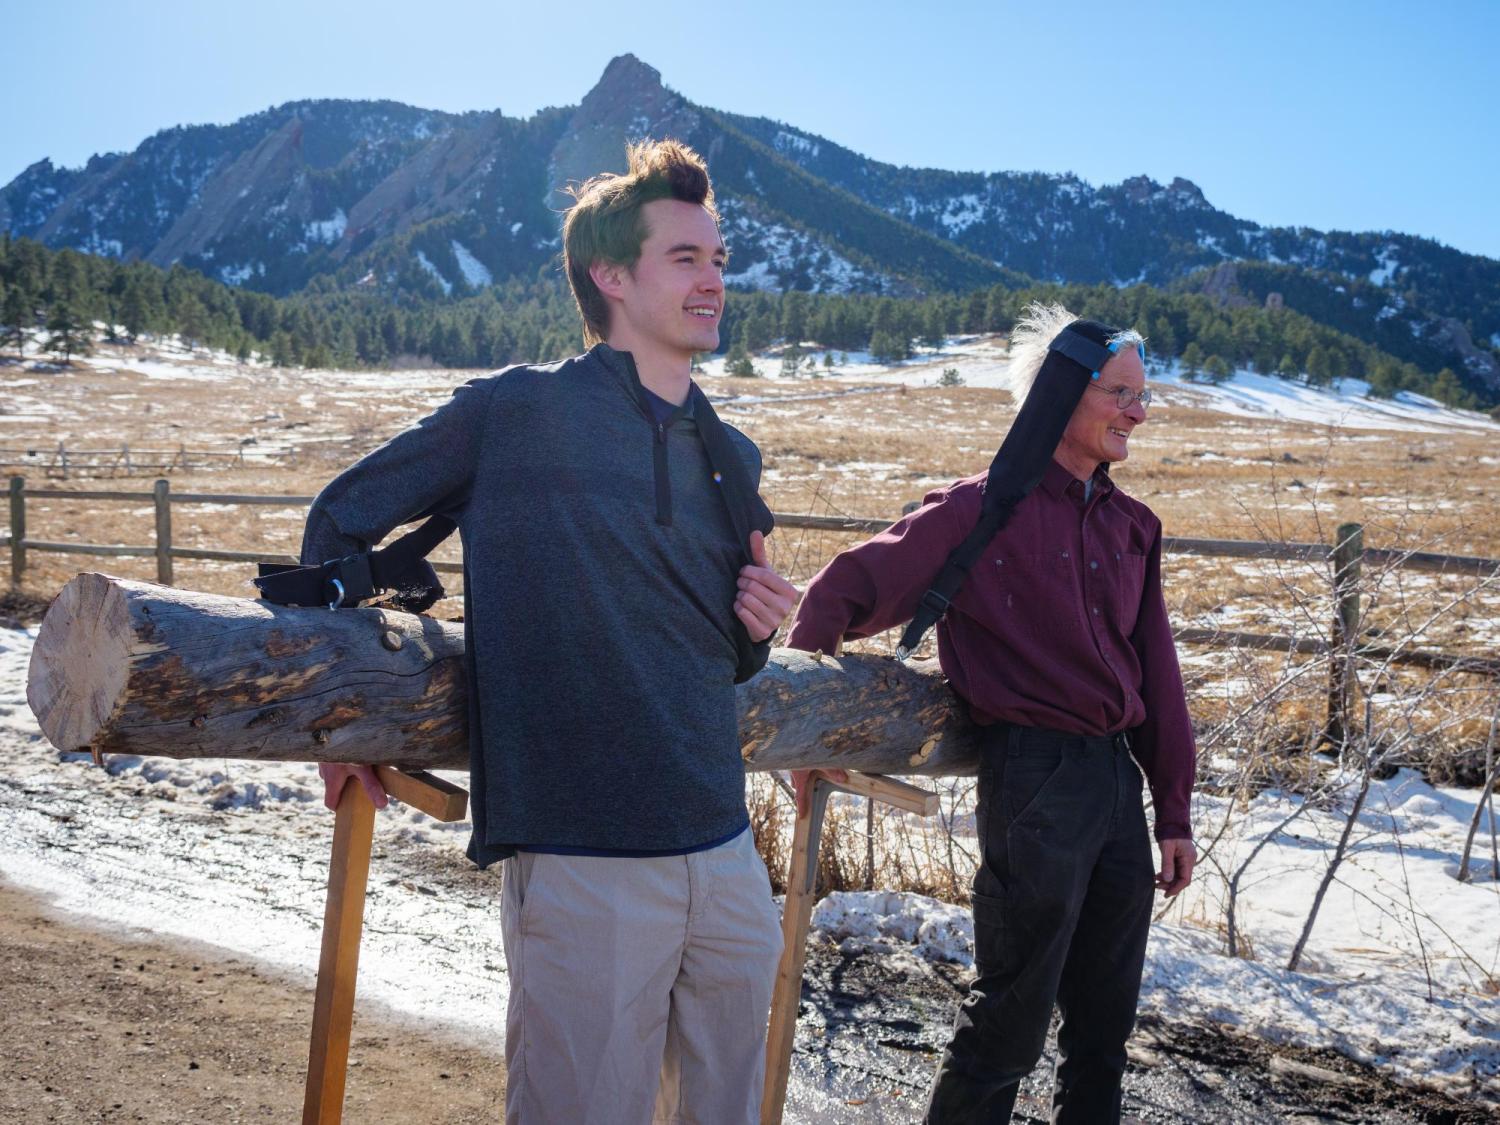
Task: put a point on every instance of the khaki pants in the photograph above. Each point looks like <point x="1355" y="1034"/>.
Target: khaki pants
<point x="639" y="988"/>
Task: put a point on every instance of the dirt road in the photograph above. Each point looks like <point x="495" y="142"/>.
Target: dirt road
<point x="104" y="1028"/>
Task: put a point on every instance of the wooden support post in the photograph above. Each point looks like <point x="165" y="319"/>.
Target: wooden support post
<point x="17" y="530"/>
<point x="1348" y="552"/>
<point x="796" y="915"/>
<point x="343" y="923"/>
<point x="160" y="495"/>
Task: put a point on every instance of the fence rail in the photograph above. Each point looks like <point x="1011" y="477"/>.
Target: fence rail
<point x="60" y="461"/>
<point x="1346" y="554"/>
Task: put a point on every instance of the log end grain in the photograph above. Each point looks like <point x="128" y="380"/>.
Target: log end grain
<point x="80" y="662"/>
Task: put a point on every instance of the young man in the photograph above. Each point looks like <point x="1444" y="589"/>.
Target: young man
<point x="1059" y="641"/>
<point x="616" y="588"/>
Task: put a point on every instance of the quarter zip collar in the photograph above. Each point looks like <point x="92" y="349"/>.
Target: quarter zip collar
<point x="622" y="364"/>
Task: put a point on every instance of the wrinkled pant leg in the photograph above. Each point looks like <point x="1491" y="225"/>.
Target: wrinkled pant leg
<point x="1042" y="819"/>
<point x="713" y="1071"/>
<point x="1101" y="978"/>
<point x="593" y="945"/>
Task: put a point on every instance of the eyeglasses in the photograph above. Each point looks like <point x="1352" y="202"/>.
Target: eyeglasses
<point x="1124" y="396"/>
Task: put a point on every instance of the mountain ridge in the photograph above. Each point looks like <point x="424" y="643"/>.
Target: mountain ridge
<point x="381" y="194"/>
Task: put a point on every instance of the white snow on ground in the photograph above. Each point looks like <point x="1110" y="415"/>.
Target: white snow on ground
<point x="1403" y="967"/>
<point x="475" y="271"/>
<point x="234" y="854"/>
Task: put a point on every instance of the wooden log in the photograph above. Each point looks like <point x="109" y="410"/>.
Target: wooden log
<point x="121" y="666"/>
<point x="133" y="667"/>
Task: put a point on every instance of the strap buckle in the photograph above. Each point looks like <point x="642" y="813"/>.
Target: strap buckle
<point x="350" y="580"/>
<point x="936" y="602"/>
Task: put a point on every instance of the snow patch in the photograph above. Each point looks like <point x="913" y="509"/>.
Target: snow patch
<point x="427" y="265"/>
<point x="787" y="141"/>
<point x="887" y="921"/>
<point x="1382" y="274"/>
<point x="474" y="270"/>
<point x="236" y="275"/>
<point x="327" y="231"/>
<point x="961" y="213"/>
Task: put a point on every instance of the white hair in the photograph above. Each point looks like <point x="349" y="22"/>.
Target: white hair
<point x="1031" y="338"/>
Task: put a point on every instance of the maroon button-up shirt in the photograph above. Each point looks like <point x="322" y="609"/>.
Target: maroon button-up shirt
<point x="1060" y="624"/>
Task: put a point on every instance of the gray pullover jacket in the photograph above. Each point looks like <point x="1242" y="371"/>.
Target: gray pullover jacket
<point x="601" y="637"/>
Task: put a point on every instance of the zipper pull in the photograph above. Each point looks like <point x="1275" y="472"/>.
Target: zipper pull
<point x="661" y="432"/>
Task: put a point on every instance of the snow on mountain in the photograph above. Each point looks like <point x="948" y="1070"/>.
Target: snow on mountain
<point x="426" y="263"/>
<point x="475" y="272"/>
<point x="984" y="362"/>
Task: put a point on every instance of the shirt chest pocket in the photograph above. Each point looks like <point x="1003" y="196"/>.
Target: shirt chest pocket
<point x="1034" y="594"/>
<point x="1130" y="584"/>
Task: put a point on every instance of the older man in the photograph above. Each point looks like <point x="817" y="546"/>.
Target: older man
<point x="1055" y="632"/>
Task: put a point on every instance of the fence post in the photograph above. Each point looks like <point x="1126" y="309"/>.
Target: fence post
<point x="1348" y="552"/>
<point x="163" y="532"/>
<point x="17" y="530"/>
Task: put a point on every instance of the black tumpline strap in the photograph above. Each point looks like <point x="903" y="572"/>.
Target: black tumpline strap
<point x="1025" y="452"/>
<point x="353" y="578"/>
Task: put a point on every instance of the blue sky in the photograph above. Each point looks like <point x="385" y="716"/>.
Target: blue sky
<point x="1333" y="115"/>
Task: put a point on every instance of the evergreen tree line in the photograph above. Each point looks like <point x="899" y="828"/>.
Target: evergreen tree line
<point x="66" y="292"/>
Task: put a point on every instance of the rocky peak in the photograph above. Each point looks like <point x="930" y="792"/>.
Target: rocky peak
<point x="1222" y="286"/>
<point x="445" y="176"/>
<point x="1185" y="193"/>
<point x="628" y="103"/>
<point x="1139" y="189"/>
<point x="626" y="75"/>
<point x="270" y="175"/>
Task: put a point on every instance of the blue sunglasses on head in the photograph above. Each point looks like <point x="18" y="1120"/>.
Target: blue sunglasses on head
<point x="1115" y="347"/>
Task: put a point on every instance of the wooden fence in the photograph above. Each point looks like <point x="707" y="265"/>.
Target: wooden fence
<point x="1347" y="554"/>
<point x="62" y="462"/>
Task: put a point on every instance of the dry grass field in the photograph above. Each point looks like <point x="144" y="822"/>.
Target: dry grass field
<point x="866" y="449"/>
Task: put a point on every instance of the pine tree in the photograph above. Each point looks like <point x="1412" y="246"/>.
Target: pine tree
<point x="192" y="320"/>
<point x="134" y="309"/>
<point x="1216" y="369"/>
<point x="1448" y="390"/>
<point x="69" y="333"/>
<point x="934" y="327"/>
<point x="791" y="359"/>
<point x="16" y="318"/>
<point x="887" y="347"/>
<point x="794" y="317"/>
<point x="737" y="362"/>
<point x="1192" y="360"/>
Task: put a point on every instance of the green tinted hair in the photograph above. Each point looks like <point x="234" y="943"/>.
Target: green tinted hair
<point x="605" y="223"/>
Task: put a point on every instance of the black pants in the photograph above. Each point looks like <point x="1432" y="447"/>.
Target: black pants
<point x="1062" y="903"/>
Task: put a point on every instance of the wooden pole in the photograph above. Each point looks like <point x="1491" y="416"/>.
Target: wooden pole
<point x="343" y="923"/>
<point x="786" y="996"/>
<point x="1348" y="550"/>
<point x="161" y="495"/>
<point x="17" y="530"/>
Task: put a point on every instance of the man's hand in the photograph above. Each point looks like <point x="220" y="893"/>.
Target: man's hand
<point x="764" y="598"/>
<point x="802" y="783"/>
<point x="1177" y="860"/>
<point x="335" y="774"/>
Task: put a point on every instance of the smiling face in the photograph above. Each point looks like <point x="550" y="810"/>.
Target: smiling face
<point x="1099" y="430"/>
<point x="668" y="305"/>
